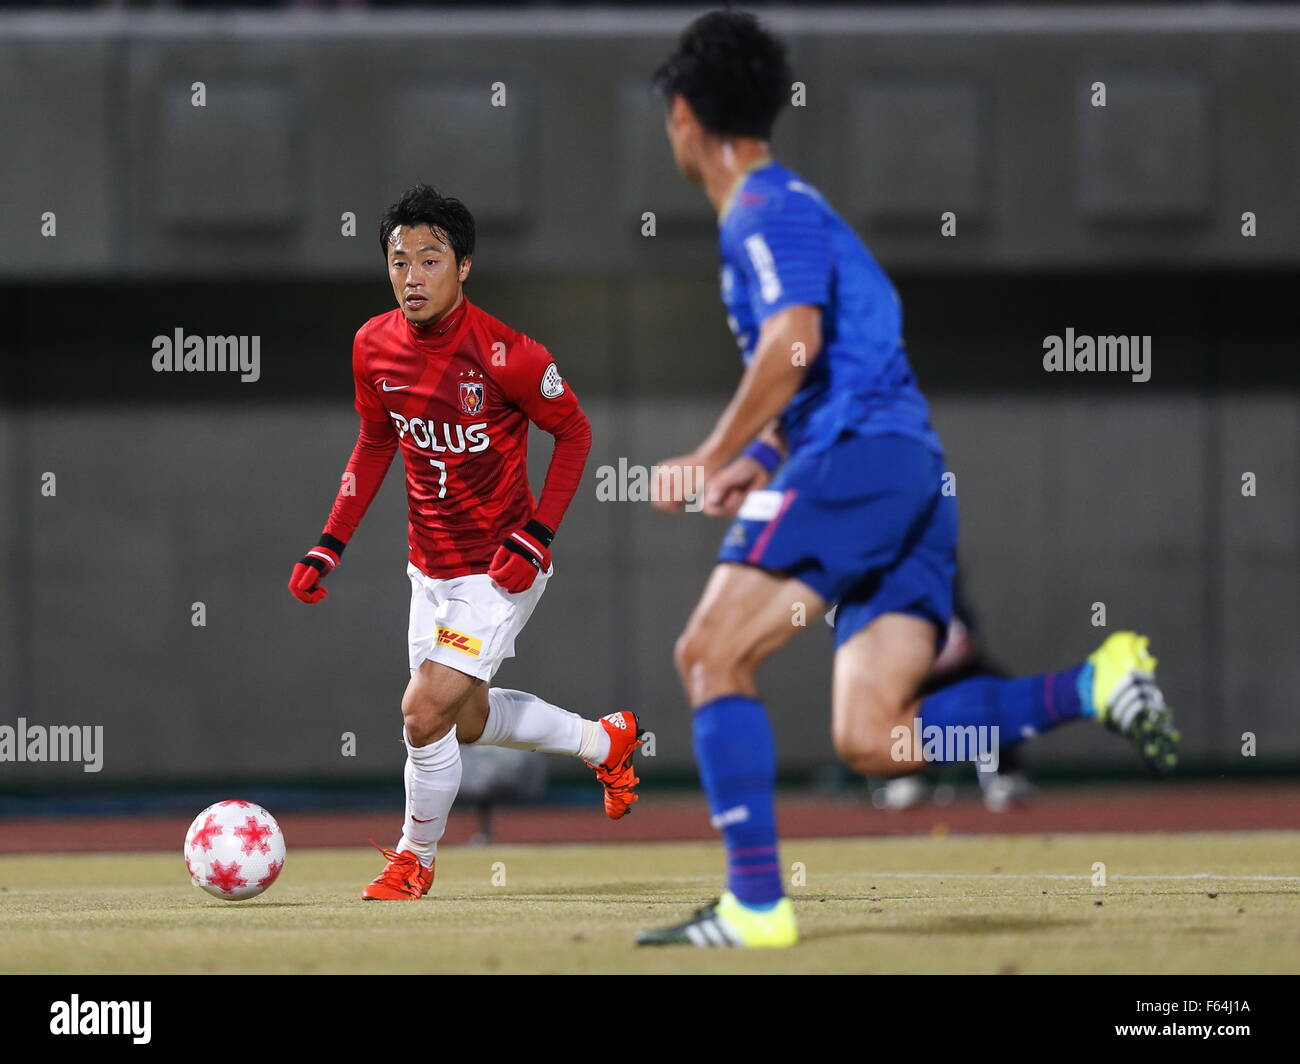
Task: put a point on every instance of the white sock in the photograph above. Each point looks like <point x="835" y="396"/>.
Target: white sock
<point x="525" y="722"/>
<point x="432" y="780"/>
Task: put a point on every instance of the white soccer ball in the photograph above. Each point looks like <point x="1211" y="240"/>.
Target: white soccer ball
<point x="234" y="850"/>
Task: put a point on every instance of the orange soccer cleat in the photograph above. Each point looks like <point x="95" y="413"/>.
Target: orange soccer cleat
<point x="403" y="878"/>
<point x="617" y="774"/>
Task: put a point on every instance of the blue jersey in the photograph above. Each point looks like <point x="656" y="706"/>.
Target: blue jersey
<point x="782" y="245"/>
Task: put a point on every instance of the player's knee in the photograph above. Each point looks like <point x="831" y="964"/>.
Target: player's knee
<point x="852" y="748"/>
<point x="864" y="752"/>
<point x="426" y="718"/>
<point x="688" y="652"/>
<point x="869" y="745"/>
<point x="707" y="666"/>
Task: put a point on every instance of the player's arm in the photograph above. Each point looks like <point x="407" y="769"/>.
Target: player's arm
<point x="788" y="342"/>
<point x="372" y="454"/>
<point x="783" y="256"/>
<point x="533" y="382"/>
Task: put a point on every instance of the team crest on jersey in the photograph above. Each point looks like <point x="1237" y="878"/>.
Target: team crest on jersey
<point x="552" y="383"/>
<point x="471" y="397"/>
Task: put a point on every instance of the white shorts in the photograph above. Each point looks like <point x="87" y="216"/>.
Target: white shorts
<point x="467" y="623"/>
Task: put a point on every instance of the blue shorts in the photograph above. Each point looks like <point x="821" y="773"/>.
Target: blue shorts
<point x="864" y="523"/>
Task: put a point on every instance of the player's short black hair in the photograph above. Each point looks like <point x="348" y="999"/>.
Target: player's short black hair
<point x="732" y="71"/>
<point x="425" y="205"/>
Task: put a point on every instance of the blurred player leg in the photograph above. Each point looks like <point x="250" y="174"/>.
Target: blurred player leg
<point x="961" y="658"/>
<point x="958" y="658"/>
<point x="878" y="672"/>
<point x="744" y="615"/>
<point x="1115" y="686"/>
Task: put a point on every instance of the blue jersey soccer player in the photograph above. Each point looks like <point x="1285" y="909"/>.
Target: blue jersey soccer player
<point x="855" y="517"/>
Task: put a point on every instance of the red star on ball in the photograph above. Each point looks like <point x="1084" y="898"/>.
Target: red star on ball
<point x="272" y="873"/>
<point x="204" y="836"/>
<point x="226" y="877"/>
<point x="253" y="836"/>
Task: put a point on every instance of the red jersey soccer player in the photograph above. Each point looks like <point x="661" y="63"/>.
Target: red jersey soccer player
<point x="455" y="389"/>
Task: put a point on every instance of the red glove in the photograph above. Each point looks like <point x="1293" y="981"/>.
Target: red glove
<point x="317" y="564"/>
<point x="522" y="556"/>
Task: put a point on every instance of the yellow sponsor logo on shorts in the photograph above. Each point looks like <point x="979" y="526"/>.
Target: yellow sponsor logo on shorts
<point x="466" y="644"/>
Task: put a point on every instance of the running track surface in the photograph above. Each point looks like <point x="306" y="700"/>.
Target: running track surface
<point x="1222" y="806"/>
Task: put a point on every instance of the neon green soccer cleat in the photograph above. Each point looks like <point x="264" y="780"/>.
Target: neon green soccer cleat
<point x="727" y="923"/>
<point x="1119" y="688"/>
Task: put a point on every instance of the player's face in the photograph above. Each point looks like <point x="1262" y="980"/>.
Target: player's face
<point x="684" y="136"/>
<point x="425" y="275"/>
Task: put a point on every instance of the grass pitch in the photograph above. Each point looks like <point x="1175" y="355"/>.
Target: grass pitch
<point x="1014" y="904"/>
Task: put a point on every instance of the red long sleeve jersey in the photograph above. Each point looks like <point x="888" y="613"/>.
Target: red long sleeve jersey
<point x="457" y="398"/>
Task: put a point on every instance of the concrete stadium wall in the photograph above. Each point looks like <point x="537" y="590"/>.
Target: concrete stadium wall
<point x="163" y="507"/>
<point x="907" y="115"/>
<point x="174" y="490"/>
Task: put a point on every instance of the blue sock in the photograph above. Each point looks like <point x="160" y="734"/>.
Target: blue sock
<point x="737" y="759"/>
<point x="1019" y="707"/>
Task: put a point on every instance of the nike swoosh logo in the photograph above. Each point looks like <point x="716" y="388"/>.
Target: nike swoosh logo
<point x="419" y="821"/>
<point x="383" y="383"/>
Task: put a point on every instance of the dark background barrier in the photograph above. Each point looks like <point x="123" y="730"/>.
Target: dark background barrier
<point x="227" y="219"/>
